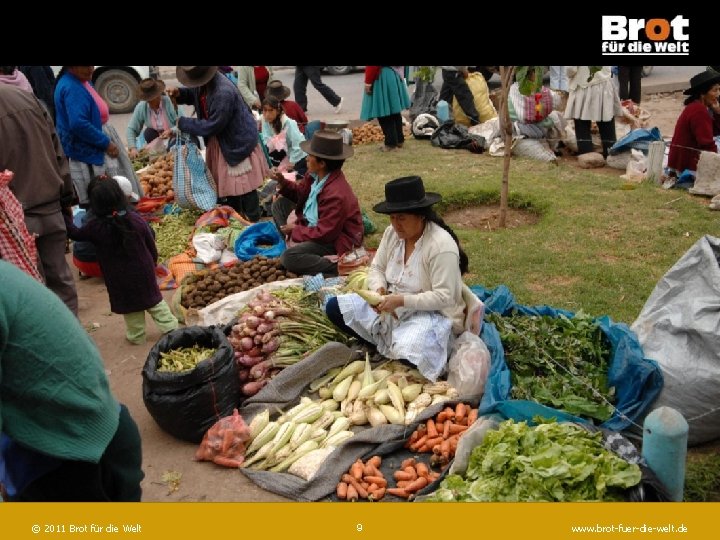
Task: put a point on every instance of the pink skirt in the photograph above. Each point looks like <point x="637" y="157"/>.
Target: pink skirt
<point x="235" y="185"/>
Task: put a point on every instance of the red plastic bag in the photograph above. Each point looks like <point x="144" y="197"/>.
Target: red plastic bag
<point x="224" y="442"/>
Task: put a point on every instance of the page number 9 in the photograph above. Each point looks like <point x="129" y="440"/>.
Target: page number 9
<point x="359" y="527"/>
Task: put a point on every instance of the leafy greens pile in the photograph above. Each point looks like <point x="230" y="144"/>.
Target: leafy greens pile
<point x="548" y="462"/>
<point x="559" y="362"/>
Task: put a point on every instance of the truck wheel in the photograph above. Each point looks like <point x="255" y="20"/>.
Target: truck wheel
<point x="118" y="89"/>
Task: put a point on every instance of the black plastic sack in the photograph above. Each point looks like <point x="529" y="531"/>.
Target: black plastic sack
<point x="187" y="404"/>
<point x="452" y="135"/>
<point x="424" y="100"/>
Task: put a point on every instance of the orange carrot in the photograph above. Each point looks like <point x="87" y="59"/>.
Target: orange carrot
<point x="433" y="442"/>
<point x="417" y="444"/>
<point x="398" y="492"/>
<point x="457" y="428"/>
<point x="379" y="480"/>
<point x="342" y="490"/>
<point x="431" y="429"/>
<point x="460" y="411"/>
<point x="377" y="495"/>
<point x="361" y="490"/>
<point x="403" y="483"/>
<point x="414" y="437"/>
<point x="375" y="461"/>
<point x="402" y="475"/>
<point x="356" y="470"/>
<point x="446" y="430"/>
<point x="422" y="469"/>
<point x="409" y="462"/>
<point x="368" y="469"/>
<point x="472" y="416"/>
<point x="411" y="471"/>
<point x="416" y="485"/>
<point x="352" y="494"/>
<point x="445" y="448"/>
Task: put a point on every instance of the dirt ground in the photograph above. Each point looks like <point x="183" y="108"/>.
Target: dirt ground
<point x="166" y="456"/>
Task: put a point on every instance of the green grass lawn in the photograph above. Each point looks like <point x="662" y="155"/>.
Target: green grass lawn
<point x="597" y="247"/>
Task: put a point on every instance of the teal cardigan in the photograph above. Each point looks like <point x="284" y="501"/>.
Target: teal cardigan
<point x="54" y="394"/>
<point x="141" y="119"/>
<point x="293" y="137"/>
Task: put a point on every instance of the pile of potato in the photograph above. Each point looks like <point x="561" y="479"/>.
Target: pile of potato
<point x="156" y="181"/>
<point x="370" y="132"/>
<point x="202" y="288"/>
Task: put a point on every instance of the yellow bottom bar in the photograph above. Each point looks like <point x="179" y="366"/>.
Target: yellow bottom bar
<point x="314" y="521"/>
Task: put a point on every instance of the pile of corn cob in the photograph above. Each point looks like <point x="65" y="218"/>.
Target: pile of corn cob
<point x="277" y="444"/>
<point x="354" y="395"/>
<point x="391" y="393"/>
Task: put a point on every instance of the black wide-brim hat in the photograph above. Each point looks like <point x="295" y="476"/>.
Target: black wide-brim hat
<point x="703" y="78"/>
<point x="404" y="194"/>
<point x="194" y="76"/>
<point x="327" y="144"/>
<point x="277" y="90"/>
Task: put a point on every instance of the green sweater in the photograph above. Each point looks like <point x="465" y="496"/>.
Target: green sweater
<point x="54" y="394"/>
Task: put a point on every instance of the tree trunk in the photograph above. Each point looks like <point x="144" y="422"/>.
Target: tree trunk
<point x="506" y="79"/>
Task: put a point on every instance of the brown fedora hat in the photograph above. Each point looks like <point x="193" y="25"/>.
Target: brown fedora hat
<point x="149" y="89"/>
<point x="404" y="194"/>
<point x="194" y="76"/>
<point x="277" y="90"/>
<point x="327" y="144"/>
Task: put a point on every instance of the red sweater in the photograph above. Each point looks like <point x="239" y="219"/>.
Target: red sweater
<point x="294" y="111"/>
<point x="372" y="73"/>
<point x="694" y="131"/>
<point x="339" y="217"/>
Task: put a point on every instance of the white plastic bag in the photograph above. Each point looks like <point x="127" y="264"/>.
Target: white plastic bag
<point x="208" y="247"/>
<point x="636" y="170"/>
<point x="469" y="365"/>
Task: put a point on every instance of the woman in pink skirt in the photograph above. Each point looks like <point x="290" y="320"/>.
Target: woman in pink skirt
<point x="234" y="155"/>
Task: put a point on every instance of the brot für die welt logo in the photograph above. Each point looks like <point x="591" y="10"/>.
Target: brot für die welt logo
<point x="625" y="36"/>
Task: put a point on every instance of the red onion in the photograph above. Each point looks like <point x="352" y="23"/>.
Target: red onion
<point x="253" y="321"/>
<point x="247" y="343"/>
<point x="252" y="388"/>
<point x="271" y="346"/>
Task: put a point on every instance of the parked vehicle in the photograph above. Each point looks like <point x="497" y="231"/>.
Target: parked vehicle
<point x="117" y="84"/>
<point x="342" y="70"/>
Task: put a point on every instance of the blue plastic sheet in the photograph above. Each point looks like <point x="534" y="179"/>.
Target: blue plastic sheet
<point x="637" y="380"/>
<point x="249" y="243"/>
<point x="639" y="139"/>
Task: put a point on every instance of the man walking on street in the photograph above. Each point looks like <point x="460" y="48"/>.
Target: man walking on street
<point x="312" y="73"/>
<point x="454" y="85"/>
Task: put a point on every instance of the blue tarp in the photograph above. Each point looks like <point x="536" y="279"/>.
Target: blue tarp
<point x="637" y="380"/>
<point x="639" y="139"/>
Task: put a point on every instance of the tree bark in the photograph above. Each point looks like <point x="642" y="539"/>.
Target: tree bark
<point x="506" y="79"/>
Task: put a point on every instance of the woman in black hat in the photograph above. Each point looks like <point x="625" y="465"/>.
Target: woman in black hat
<point x="328" y="219"/>
<point x="155" y="116"/>
<point x="697" y="125"/>
<point x="234" y="154"/>
<point x="418" y="271"/>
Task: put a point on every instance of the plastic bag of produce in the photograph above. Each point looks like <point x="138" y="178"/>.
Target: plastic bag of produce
<point x="224" y="443"/>
<point x="259" y="239"/>
<point x="469" y="365"/>
<point x="187" y="403"/>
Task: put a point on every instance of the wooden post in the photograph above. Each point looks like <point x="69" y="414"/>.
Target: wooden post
<point x="656" y="153"/>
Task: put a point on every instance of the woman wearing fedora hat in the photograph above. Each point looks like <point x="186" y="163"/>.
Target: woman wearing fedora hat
<point x="155" y="116"/>
<point x="328" y="219"/>
<point x="697" y="125"/>
<point x="234" y="154"/>
<point x="418" y="269"/>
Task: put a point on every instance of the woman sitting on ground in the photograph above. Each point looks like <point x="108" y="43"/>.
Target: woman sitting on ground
<point x="418" y="271"/>
<point x="697" y="125"/>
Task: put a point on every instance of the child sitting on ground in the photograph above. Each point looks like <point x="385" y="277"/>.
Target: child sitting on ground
<point x="127" y="255"/>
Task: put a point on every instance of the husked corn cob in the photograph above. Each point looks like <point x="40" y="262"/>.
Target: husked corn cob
<point x="258" y="423"/>
<point x="265" y="436"/>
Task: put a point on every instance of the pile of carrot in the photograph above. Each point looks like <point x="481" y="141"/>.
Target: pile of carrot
<point x="362" y="481"/>
<point x="440" y="435"/>
<point x="411" y="478"/>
